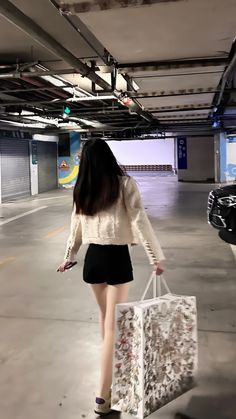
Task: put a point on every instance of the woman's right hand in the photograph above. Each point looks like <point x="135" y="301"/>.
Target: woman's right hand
<point x="62" y="267"/>
<point x="158" y="268"/>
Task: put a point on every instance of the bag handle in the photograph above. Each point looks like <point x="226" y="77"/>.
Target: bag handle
<point x="157" y="281"/>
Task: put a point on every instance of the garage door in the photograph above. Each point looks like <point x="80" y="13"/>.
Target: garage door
<point x="47" y="166"/>
<point x="15" y="169"/>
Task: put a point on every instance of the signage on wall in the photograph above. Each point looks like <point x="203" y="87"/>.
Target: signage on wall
<point x="34" y="151"/>
<point x="182" y="153"/>
<point x="64" y="166"/>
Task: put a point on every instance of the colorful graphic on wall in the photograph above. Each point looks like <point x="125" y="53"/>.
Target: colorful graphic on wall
<point x="231" y="159"/>
<point x="68" y="167"/>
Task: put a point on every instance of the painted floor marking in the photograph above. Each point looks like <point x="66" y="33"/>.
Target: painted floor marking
<point x="55" y="232"/>
<point x="8" y="220"/>
<point x="52" y="197"/>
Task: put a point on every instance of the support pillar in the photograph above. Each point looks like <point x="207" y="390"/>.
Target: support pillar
<point x="0" y="177"/>
<point x="33" y="167"/>
<point x="220" y="143"/>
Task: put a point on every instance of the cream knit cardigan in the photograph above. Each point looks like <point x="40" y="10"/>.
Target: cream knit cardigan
<point x="125" y="222"/>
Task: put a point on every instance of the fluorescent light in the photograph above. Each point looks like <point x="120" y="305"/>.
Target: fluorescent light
<point x="53" y="80"/>
<point x="135" y="85"/>
<point x="22" y="124"/>
<point x="22" y="113"/>
<point x="73" y="91"/>
<point x="44" y="120"/>
<point x="69" y="125"/>
<point x="94" y="124"/>
<point x="90" y="98"/>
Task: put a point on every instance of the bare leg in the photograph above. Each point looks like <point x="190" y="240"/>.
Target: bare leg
<point x="115" y="294"/>
<point x="100" y="292"/>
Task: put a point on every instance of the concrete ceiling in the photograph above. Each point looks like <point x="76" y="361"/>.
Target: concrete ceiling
<point x="165" y="31"/>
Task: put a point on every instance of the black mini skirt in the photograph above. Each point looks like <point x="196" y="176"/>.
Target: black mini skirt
<point x="109" y="264"/>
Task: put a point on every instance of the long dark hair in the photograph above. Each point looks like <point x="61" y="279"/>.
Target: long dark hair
<point x="98" y="184"/>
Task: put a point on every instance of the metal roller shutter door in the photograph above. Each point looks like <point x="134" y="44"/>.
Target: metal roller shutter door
<point x="15" y="169"/>
<point x="47" y="166"/>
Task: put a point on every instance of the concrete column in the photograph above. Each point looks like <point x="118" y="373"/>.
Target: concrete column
<point x="33" y="167"/>
<point x="196" y="159"/>
<point x="0" y="177"/>
<point x="220" y="142"/>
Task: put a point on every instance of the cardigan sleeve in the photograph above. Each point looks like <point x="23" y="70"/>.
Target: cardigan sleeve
<point x="75" y="238"/>
<point x="140" y="222"/>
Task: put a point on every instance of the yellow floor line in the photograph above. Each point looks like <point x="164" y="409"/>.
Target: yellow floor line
<point x="55" y="232"/>
<point x="7" y="260"/>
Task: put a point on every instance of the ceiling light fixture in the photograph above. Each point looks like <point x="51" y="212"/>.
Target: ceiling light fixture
<point x="135" y="85"/>
<point x="90" y="98"/>
<point x="22" y="124"/>
<point x="53" y="80"/>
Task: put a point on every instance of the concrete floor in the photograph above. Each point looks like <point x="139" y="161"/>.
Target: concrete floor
<point x="49" y="345"/>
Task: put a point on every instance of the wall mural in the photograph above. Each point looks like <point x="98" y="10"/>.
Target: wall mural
<point x="68" y="167"/>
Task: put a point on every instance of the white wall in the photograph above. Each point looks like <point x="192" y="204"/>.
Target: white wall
<point x="143" y="151"/>
<point x="200" y="160"/>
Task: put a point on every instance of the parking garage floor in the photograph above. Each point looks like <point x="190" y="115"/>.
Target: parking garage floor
<point x="49" y="345"/>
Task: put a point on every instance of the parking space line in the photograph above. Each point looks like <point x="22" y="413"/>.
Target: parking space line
<point x="233" y="248"/>
<point x="52" y="197"/>
<point x="8" y="220"/>
<point x="55" y="232"/>
<point x="7" y="260"/>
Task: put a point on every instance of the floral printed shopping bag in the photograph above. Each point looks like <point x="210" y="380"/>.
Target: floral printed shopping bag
<point x="155" y="354"/>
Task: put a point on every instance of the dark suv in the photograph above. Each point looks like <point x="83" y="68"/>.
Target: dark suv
<point x="221" y="212"/>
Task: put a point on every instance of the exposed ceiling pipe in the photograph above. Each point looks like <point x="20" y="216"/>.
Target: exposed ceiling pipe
<point x="27" y="25"/>
<point x="20" y="74"/>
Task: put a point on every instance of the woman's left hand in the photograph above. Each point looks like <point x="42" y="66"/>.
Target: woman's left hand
<point x="158" y="268"/>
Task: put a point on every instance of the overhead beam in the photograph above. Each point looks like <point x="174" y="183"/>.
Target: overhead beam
<point x="51" y="102"/>
<point x="183" y="92"/>
<point x="198" y="108"/>
<point x="26" y="90"/>
<point x="172" y="64"/>
<point x="19" y="74"/>
<point x="98" y="5"/>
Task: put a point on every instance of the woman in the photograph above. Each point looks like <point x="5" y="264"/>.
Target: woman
<point x="108" y="215"/>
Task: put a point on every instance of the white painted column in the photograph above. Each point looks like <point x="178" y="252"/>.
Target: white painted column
<point x="0" y="177"/>
<point x="33" y="173"/>
<point x="220" y="141"/>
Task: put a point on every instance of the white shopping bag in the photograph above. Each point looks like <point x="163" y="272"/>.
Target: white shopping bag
<point x="155" y="355"/>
